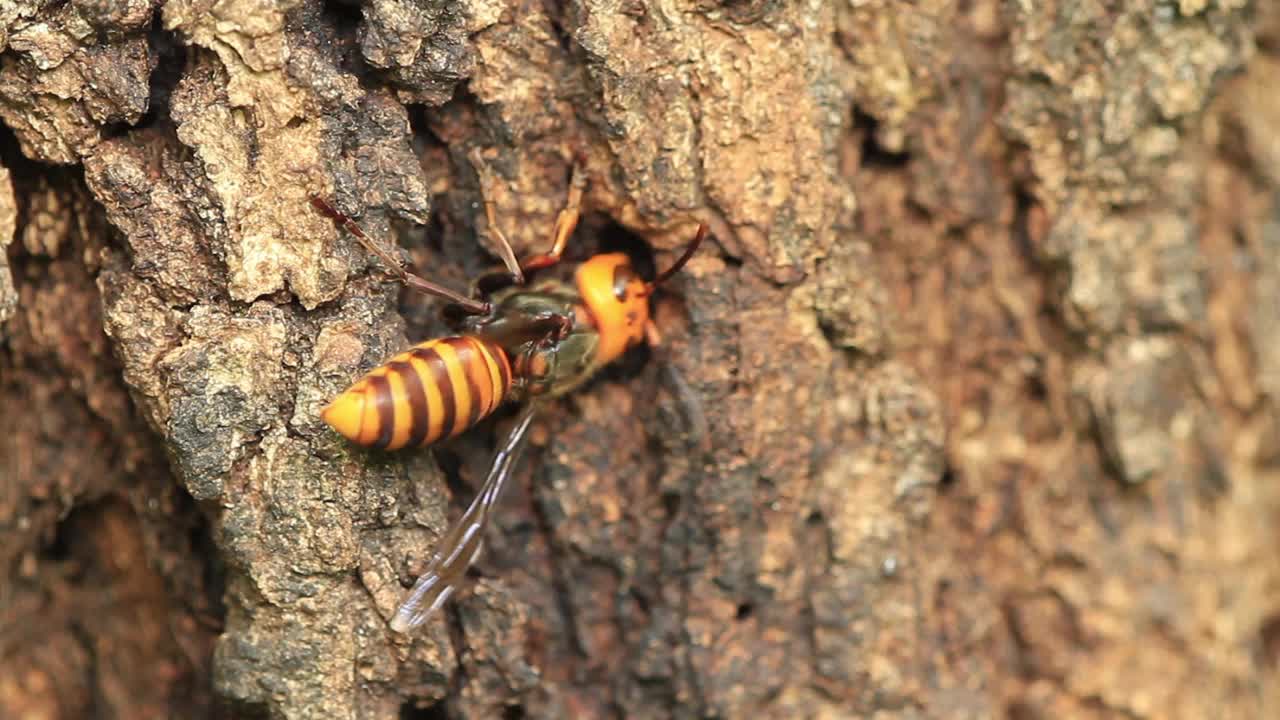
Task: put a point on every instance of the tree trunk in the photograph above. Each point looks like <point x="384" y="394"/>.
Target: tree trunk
<point x="987" y="341"/>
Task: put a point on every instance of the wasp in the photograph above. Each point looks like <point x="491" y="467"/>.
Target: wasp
<point x="515" y="340"/>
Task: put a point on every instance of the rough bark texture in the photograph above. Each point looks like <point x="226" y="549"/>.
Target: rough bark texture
<point x="988" y="342"/>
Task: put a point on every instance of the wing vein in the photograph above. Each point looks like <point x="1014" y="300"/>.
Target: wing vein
<point x="462" y="543"/>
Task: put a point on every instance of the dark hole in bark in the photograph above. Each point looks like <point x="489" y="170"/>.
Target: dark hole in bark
<point x="612" y="237"/>
<point x="873" y="153"/>
<point x="435" y="711"/>
<point x="451" y="465"/>
<point x="345" y="13"/>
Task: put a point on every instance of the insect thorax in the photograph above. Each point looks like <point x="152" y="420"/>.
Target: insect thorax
<point x="552" y="350"/>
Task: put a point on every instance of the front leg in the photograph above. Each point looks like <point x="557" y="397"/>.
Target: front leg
<point x="566" y="221"/>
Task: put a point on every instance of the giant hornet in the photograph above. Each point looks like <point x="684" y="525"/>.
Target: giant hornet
<point x="514" y="341"/>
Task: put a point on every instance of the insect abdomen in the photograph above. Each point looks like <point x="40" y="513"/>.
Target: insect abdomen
<point x="432" y="391"/>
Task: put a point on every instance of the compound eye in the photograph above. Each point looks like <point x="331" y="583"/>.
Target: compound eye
<point x="623" y="275"/>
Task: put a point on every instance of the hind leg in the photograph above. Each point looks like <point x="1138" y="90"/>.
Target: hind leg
<point x="466" y="305"/>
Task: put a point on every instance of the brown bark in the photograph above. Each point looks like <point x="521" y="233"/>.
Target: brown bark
<point x="987" y="339"/>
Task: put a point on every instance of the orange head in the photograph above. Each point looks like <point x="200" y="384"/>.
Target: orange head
<point x="618" y="300"/>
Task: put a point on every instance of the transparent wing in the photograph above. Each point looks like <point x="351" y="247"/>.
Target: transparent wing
<point x="694" y="416"/>
<point x="462" y="544"/>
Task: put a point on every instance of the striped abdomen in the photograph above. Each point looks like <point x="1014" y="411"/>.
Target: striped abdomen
<point x="432" y="391"/>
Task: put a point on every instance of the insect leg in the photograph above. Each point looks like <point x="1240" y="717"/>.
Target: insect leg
<point x="505" y="252"/>
<point x="566" y="221"/>
<point x="462" y="544"/>
<point x="466" y="304"/>
<point x="651" y="335"/>
<point x="688" y="401"/>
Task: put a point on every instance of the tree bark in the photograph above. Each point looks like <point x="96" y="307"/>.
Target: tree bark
<point x="987" y="340"/>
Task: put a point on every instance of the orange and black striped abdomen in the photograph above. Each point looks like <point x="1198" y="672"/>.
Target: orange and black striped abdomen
<point x="432" y="391"/>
